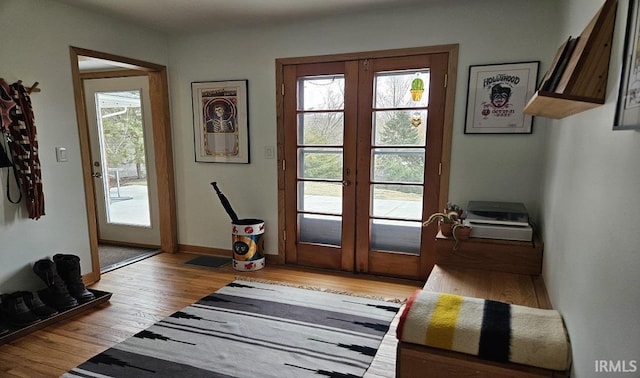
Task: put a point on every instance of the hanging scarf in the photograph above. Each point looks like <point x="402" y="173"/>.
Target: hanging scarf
<point x="23" y="143"/>
<point x="7" y="109"/>
<point x="7" y="106"/>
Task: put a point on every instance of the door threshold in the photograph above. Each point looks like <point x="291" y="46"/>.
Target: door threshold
<point x="129" y="261"/>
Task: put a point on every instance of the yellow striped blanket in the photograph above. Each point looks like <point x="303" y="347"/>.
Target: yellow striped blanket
<point x="488" y="329"/>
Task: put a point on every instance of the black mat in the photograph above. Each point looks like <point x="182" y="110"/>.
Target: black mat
<point x="209" y="261"/>
<point x="117" y="256"/>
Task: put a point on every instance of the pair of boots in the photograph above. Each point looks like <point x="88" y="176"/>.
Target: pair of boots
<point x="24" y="308"/>
<point x="65" y="288"/>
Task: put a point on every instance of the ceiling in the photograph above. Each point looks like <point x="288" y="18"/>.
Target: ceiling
<point x="182" y="16"/>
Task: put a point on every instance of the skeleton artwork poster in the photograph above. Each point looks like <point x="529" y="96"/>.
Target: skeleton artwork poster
<point x="220" y="121"/>
<point x="497" y="97"/>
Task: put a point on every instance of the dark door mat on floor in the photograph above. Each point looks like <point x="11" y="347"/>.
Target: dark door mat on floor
<point x="209" y="261"/>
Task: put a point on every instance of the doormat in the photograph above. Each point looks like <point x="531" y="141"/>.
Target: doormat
<point x="209" y="261"/>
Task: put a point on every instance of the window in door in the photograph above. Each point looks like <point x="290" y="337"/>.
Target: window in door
<point x="399" y="125"/>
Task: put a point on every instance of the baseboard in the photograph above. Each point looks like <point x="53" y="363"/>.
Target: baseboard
<point x="270" y="259"/>
<point x="204" y="250"/>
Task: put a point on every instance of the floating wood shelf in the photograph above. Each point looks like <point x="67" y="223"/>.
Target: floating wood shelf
<point x="583" y="83"/>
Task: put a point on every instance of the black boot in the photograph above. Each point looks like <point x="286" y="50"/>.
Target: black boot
<point x="34" y="304"/>
<point x="4" y="329"/>
<point x="69" y="270"/>
<point x="56" y="294"/>
<point x="16" y="312"/>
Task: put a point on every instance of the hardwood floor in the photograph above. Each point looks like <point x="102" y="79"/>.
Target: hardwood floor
<point x="150" y="290"/>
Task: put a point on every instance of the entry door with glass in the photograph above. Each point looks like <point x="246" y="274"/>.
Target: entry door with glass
<point x="120" y="132"/>
<point x="363" y="146"/>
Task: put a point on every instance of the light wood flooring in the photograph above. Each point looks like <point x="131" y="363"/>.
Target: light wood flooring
<point x="150" y="290"/>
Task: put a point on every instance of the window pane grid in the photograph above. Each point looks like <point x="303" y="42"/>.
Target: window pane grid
<point x="391" y="201"/>
<point x="321" y="93"/>
<point x="321" y="128"/>
<point x="393" y="89"/>
<point x="398" y="165"/>
<point x="320" y="197"/>
<point x="398" y="152"/>
<point x="399" y="128"/>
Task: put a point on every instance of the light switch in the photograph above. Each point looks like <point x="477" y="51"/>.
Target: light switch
<point x="62" y="154"/>
<point x="269" y="152"/>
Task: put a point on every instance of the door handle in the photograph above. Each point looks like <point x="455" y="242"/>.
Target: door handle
<point x="346" y="183"/>
<point x="97" y="175"/>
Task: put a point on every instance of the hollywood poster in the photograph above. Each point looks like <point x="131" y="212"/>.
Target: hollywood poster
<point x="497" y="97"/>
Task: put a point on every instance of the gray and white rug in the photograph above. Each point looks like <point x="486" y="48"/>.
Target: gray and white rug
<point x="254" y="329"/>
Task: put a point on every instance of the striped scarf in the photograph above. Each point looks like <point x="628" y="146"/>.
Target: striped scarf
<point x="19" y="126"/>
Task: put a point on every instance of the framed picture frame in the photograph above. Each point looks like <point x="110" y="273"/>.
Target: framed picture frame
<point x="220" y="121"/>
<point x="497" y="95"/>
<point x="628" y="106"/>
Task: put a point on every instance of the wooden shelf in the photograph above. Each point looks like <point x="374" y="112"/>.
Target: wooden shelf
<point x="15" y="333"/>
<point x="583" y="83"/>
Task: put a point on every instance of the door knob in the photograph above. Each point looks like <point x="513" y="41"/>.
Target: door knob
<point x="346" y="183"/>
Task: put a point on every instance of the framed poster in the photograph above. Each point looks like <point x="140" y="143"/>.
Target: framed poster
<point x="220" y="121"/>
<point x="628" y="108"/>
<point x="496" y="98"/>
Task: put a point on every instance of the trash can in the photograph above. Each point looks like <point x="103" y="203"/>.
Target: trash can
<point x="248" y="244"/>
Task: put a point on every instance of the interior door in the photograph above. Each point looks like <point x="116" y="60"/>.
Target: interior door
<point x="121" y="135"/>
<point x="362" y="162"/>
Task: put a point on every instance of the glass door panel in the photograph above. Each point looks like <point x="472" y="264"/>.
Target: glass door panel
<point x="388" y="127"/>
<point x="396" y="201"/>
<point x="123" y="156"/>
<point x="399" y="139"/>
<point x="320" y="109"/>
<point x="395" y="236"/>
<point x="395" y="89"/>
<point x="120" y="135"/>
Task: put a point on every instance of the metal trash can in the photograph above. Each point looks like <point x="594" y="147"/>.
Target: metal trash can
<point x="248" y="244"/>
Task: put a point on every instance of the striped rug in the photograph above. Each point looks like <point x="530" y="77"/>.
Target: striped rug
<point x="254" y="329"/>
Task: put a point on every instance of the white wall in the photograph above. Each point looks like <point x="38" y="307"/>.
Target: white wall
<point x="591" y="210"/>
<point x="505" y="167"/>
<point x="35" y="47"/>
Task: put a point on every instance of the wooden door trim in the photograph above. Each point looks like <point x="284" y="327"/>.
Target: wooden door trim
<point x="289" y="204"/>
<point x="452" y="48"/>
<point x="350" y="166"/>
<point x="159" y="94"/>
<point x="452" y="53"/>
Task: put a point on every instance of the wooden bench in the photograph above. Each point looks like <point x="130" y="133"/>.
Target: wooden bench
<point x="415" y="360"/>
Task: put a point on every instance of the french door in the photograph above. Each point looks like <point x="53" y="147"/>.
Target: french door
<point x="363" y="146"/>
